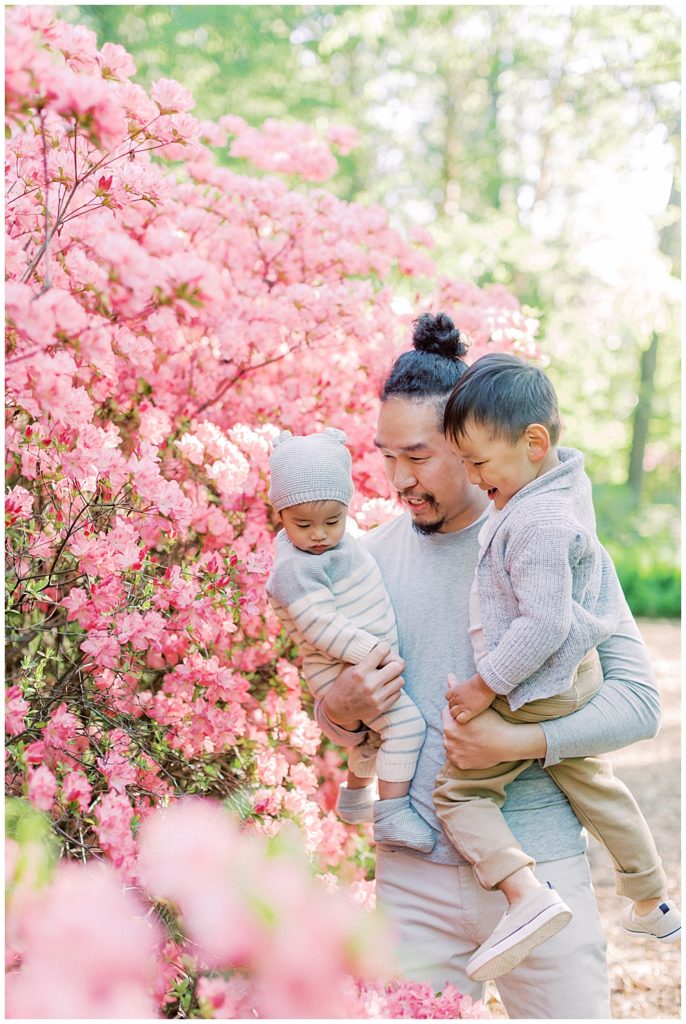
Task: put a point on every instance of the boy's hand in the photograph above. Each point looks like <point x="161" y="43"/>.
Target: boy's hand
<point x="469" y="698"/>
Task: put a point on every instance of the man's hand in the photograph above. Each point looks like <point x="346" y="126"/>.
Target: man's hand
<point x="363" y="691"/>
<point x="488" y="740"/>
<point x="469" y="698"/>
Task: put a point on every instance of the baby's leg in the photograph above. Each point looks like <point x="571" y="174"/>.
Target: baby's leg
<point x="356" y="794"/>
<point x="402" y="730"/>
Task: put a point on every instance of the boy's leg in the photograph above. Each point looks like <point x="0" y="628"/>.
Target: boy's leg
<point x="468" y="806"/>
<point x="440" y="915"/>
<point x="604" y="805"/>
<point x="566" y="977"/>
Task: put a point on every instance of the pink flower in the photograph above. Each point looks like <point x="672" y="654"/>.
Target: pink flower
<point x="77" y="788"/>
<point x="34" y="753"/>
<point x="88" y="950"/>
<point x="18" y="505"/>
<point x="171" y="97"/>
<point x="104" y="648"/>
<point x="16" y="707"/>
<point x="42" y="788"/>
<point x="344" y="137"/>
<point x="115" y="62"/>
<point x="113" y="815"/>
<point x="227" y="998"/>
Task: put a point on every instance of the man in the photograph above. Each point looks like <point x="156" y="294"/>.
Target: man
<point x="427" y="558"/>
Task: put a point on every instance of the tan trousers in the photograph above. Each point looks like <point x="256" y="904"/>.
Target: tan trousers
<point x="468" y="803"/>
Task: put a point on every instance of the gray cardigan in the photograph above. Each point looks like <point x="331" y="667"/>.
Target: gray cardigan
<point x="548" y="592"/>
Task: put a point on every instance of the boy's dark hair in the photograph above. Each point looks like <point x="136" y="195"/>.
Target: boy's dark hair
<point x="504" y="393"/>
<point x="433" y="367"/>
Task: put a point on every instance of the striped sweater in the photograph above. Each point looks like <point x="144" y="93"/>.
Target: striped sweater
<point x="334" y="606"/>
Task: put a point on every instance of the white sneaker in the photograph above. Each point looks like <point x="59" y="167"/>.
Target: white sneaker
<point x="520" y="930"/>
<point x="663" y="923"/>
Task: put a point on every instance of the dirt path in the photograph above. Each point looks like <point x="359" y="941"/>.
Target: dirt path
<point x="645" y="975"/>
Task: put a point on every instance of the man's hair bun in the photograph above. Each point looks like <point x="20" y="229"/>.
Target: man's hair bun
<point x="439" y="335"/>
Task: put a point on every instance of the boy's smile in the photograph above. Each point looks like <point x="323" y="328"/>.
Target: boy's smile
<point x="496" y="464"/>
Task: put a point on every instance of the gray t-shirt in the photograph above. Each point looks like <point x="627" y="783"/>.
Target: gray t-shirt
<point x="428" y="579"/>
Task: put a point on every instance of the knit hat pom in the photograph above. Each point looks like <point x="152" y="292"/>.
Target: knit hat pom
<point x="334" y="433"/>
<point x="285" y="435"/>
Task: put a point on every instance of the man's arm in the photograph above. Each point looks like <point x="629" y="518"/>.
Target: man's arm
<point x="624" y="711"/>
<point x="359" y="693"/>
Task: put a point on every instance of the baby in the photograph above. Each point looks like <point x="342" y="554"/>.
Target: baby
<point x="545" y="595"/>
<point x="328" y="592"/>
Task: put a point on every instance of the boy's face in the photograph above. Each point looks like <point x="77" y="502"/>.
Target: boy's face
<point x="315" y="526"/>
<point x="495" y="464"/>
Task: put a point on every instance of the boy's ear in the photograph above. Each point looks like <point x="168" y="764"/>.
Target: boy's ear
<point x="538" y="441"/>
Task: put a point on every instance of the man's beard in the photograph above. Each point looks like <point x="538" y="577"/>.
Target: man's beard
<point x="426" y="528"/>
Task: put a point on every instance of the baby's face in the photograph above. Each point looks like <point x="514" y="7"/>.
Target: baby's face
<point x="315" y="526"/>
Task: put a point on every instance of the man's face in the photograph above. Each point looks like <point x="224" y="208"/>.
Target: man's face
<point x="427" y="474"/>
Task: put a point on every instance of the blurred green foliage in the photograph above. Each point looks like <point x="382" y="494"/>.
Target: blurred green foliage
<point x="643" y="542"/>
<point x="540" y="145"/>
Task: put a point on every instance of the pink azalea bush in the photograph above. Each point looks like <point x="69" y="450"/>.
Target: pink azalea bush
<point x="165" y="317"/>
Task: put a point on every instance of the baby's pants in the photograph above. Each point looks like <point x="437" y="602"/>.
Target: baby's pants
<point x="401" y="731"/>
<point x="468" y="803"/>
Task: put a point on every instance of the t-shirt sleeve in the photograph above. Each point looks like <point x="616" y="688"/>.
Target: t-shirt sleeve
<point x="625" y="710"/>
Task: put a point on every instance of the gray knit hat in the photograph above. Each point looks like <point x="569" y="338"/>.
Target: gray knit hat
<point x="316" y="467"/>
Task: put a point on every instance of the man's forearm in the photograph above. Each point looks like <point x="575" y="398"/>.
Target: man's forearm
<point x="626" y="709"/>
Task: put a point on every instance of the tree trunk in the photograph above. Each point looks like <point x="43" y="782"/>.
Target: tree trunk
<point x="642" y="416"/>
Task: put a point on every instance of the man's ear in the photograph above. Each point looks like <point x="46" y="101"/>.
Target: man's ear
<point x="538" y="441"/>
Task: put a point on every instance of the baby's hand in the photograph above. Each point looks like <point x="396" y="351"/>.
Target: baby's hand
<point x="469" y="698"/>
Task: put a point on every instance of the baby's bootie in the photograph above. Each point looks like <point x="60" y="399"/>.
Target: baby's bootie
<point x="354" y="806"/>
<point x="397" y="822"/>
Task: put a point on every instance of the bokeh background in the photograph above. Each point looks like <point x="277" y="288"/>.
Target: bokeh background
<point x="540" y="145"/>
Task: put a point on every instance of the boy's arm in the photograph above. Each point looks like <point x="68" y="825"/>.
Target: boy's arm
<point x="539" y="566"/>
<point x="309" y="602"/>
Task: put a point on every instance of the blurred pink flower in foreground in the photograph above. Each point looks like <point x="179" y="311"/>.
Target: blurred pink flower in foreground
<point x="87" y="950"/>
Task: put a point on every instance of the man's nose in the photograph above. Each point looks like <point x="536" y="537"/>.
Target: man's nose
<point x="403" y="477"/>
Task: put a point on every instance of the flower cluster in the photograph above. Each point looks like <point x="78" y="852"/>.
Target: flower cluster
<point x="166" y="316"/>
<point x="253" y="930"/>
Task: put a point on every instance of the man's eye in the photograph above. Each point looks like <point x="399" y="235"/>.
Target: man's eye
<point x="419" y="458"/>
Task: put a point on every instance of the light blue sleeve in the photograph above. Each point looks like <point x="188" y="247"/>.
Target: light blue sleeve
<point x="624" y="711"/>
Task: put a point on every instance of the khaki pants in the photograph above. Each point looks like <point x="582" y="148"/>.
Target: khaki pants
<point x="468" y="803"/>
<point x="440" y="915"/>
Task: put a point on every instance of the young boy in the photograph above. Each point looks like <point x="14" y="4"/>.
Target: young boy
<point x="328" y="592"/>
<point x="541" y="601"/>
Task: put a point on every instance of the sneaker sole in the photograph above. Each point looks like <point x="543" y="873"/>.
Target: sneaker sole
<point x="499" y="961"/>
<point x="670" y="937"/>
